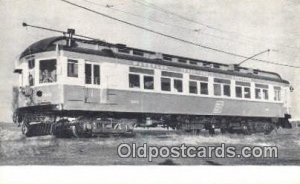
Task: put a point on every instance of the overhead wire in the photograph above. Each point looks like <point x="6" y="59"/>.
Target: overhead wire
<point x="153" y="6"/>
<point x="172" y="37"/>
<point x="199" y="31"/>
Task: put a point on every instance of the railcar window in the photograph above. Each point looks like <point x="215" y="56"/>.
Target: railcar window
<point x="242" y="89"/>
<point x="261" y="91"/>
<point x="193" y="62"/>
<point x="165" y="84"/>
<point x="181" y="60"/>
<point x="148" y="82"/>
<point x="193" y="87"/>
<point x="277" y="94"/>
<point x="217" y="89"/>
<point x="266" y="94"/>
<point x="226" y="90"/>
<point x="167" y="58"/>
<point x="178" y="85"/>
<point x="138" y="53"/>
<point x="31" y="63"/>
<point x="216" y="66"/>
<point x="96" y="74"/>
<point x="238" y="91"/>
<point x="72" y="68"/>
<point x="247" y="92"/>
<point x="31" y="74"/>
<point x="222" y="87"/>
<point x="203" y="88"/>
<point x="134" y="81"/>
<point x="258" y="94"/>
<point x="141" y="70"/>
<point x="88" y="73"/>
<point x="48" y="71"/>
<point x="124" y="50"/>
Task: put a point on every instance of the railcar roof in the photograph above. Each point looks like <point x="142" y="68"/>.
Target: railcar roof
<point x="49" y="44"/>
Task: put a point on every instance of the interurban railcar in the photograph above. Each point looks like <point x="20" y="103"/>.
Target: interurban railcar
<point x="68" y="83"/>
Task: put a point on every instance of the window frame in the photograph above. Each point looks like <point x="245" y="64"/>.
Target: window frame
<point x="76" y="63"/>
<point x="142" y="73"/>
<point x="92" y="74"/>
<point x="219" y="90"/>
<point x="39" y="71"/>
<point x="161" y="84"/>
<point x="262" y="88"/>
<point x="236" y="94"/>
<point x="258" y="96"/>
<point x="174" y="87"/>
<point x="200" y="88"/>
<point x="144" y="87"/>
<point x="277" y="94"/>
<point x="222" y="83"/>
<point x="195" y="82"/>
<point x="139" y="81"/>
<point x="223" y="90"/>
<point x="243" y="91"/>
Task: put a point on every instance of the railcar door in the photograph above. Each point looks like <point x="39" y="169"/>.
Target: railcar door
<point x="92" y="81"/>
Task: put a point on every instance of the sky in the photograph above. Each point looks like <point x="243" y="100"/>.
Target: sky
<point x="244" y="27"/>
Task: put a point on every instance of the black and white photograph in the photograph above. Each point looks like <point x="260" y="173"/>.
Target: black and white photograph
<point x="166" y="83"/>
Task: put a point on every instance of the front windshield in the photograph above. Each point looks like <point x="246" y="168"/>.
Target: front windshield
<point x="48" y="71"/>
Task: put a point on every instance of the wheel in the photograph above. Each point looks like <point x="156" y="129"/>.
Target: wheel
<point x="75" y="131"/>
<point x="246" y="130"/>
<point x="26" y="129"/>
<point x="223" y="130"/>
<point x="268" y="128"/>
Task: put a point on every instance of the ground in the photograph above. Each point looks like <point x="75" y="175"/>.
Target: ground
<point x="16" y="149"/>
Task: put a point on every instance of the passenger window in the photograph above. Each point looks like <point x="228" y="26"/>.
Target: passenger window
<point x="203" y="88"/>
<point x="266" y="94"/>
<point x="257" y="93"/>
<point x="134" y="81"/>
<point x="72" y="68"/>
<point x="148" y="82"/>
<point x="226" y="90"/>
<point x="48" y="71"/>
<point x="247" y="92"/>
<point x="238" y="91"/>
<point x="88" y="73"/>
<point x="165" y="84"/>
<point x="97" y="74"/>
<point x="277" y="94"/>
<point x="193" y="87"/>
<point x="217" y="89"/>
<point x="178" y="85"/>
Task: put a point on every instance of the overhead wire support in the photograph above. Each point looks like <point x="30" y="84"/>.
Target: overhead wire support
<point x="268" y="50"/>
<point x="24" y="24"/>
<point x="57" y="31"/>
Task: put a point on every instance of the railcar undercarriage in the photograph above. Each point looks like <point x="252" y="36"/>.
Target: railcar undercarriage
<point x="90" y="124"/>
